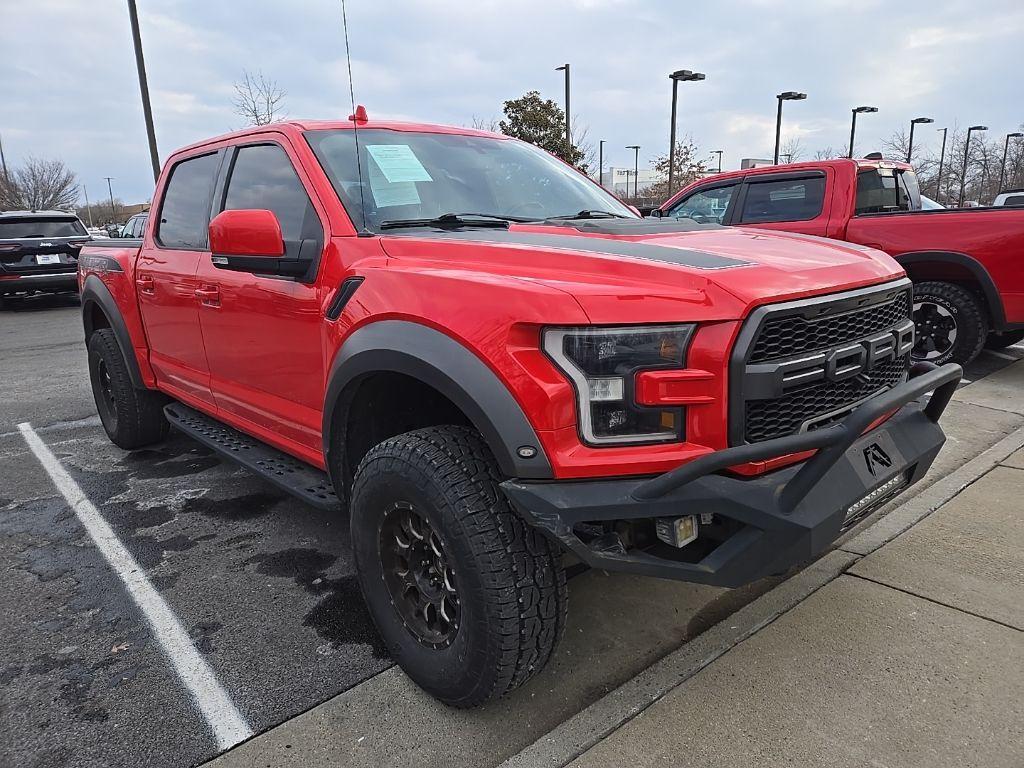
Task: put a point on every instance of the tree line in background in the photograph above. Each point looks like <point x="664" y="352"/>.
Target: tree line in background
<point x="38" y="185"/>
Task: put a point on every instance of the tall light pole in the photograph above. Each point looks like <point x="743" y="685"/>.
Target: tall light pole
<point x="910" y="144"/>
<point x="853" y="125"/>
<point x="684" y="76"/>
<point x="719" y="153"/>
<point x="1006" y="149"/>
<point x="600" y="162"/>
<point x="110" y="190"/>
<point x="568" y="127"/>
<point x="942" y="156"/>
<point x="967" y="154"/>
<point x="147" y="111"/>
<point x="785" y="96"/>
<point x="88" y="207"/>
<point x="636" y="170"/>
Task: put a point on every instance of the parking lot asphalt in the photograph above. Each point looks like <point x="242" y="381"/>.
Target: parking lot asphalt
<point x="263" y="585"/>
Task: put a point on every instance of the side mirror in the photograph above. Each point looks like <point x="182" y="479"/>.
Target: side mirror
<point x="246" y="232"/>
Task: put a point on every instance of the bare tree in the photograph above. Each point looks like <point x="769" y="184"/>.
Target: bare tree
<point x="101" y="211"/>
<point x="491" y="124"/>
<point x="258" y="100"/>
<point x="793" y="149"/>
<point x="39" y="185"/>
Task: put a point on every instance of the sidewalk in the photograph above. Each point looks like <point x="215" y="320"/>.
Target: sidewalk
<point x="913" y="657"/>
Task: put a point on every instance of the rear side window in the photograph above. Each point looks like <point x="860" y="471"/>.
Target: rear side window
<point x="38" y="226"/>
<point x="884" y="190"/>
<point x="1014" y="200"/>
<point x="783" y="200"/>
<point x="263" y="177"/>
<point x="185" y="213"/>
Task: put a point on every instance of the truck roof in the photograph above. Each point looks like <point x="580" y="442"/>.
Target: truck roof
<point x="48" y="214"/>
<point x="298" y="126"/>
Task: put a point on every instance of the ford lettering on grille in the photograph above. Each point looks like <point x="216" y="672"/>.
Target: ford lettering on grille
<point x="845" y="361"/>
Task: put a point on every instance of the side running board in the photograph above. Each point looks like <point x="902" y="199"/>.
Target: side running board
<point x="287" y="473"/>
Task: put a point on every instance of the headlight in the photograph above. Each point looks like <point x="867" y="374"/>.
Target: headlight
<point x="602" y="364"/>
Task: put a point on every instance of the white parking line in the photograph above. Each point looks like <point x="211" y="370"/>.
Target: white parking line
<point x="220" y="712"/>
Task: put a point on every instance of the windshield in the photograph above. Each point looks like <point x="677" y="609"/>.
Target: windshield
<point x="409" y="176"/>
<point x="37" y="226"/>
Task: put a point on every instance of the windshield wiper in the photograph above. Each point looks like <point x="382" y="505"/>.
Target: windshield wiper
<point x="457" y="220"/>
<point x="589" y="214"/>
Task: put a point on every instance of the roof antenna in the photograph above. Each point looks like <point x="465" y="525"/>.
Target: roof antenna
<point x="358" y="116"/>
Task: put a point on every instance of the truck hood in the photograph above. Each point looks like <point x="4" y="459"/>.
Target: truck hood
<point x="666" y="271"/>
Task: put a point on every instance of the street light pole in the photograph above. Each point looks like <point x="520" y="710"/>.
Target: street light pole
<point x="1006" y="149"/>
<point x="910" y="144"/>
<point x="719" y="153"/>
<point x="967" y="153"/>
<point x="788" y="156"/>
<point x="685" y="76"/>
<point x="636" y="170"/>
<point x="568" y="127"/>
<point x="853" y="125"/>
<point x="600" y="162"/>
<point x="111" y="191"/>
<point x="88" y="207"/>
<point x="787" y="96"/>
<point x="942" y="156"/>
<point x="147" y="111"/>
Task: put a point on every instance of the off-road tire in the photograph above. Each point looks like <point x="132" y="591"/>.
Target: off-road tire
<point x="967" y="313"/>
<point x="508" y="577"/>
<point x="131" y="417"/>
<point x="1003" y="340"/>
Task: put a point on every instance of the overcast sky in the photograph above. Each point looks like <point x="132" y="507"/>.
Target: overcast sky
<point x="68" y="87"/>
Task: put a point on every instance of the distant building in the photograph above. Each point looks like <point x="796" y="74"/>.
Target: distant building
<point x="614" y="179"/>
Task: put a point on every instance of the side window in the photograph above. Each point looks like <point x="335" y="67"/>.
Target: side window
<point x="263" y="177"/>
<point x="706" y="206"/>
<point x="783" y="200"/>
<point x="185" y="211"/>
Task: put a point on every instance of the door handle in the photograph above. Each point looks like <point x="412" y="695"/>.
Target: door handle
<point x="145" y="283"/>
<point x="208" y="295"/>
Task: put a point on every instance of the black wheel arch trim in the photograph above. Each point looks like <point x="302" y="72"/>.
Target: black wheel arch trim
<point x="94" y="292"/>
<point x="401" y="346"/>
<point x="972" y="265"/>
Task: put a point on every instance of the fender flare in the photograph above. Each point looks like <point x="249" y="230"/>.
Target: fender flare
<point x="972" y="265"/>
<point x="439" y="361"/>
<point x="95" y="292"/>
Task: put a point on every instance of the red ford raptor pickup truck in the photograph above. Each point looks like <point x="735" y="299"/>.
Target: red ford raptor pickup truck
<point x="487" y="361"/>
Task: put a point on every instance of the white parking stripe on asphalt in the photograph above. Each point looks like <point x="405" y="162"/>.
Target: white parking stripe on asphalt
<point x="227" y="723"/>
<point x="1001" y="355"/>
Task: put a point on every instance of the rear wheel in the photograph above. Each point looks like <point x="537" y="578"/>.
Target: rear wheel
<point x="131" y="417"/>
<point x="469" y="599"/>
<point x="949" y="323"/>
<point x="1003" y="340"/>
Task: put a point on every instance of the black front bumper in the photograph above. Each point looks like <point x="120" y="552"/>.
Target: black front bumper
<point x="781" y="518"/>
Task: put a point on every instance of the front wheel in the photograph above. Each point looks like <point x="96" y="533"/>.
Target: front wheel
<point x="469" y="599"/>
<point x="950" y="324"/>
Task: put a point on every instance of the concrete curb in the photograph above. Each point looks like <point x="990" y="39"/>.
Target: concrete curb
<point x="582" y="731"/>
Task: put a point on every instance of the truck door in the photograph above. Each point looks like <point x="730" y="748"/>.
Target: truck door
<point x="263" y="333"/>
<point x="165" y="276"/>
<point x="792" y="202"/>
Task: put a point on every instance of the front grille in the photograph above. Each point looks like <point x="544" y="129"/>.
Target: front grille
<point x="817" y="406"/>
<point x="776" y="334"/>
<point x="786" y="336"/>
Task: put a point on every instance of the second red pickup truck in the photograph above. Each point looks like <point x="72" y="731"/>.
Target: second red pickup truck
<point x="488" y="360"/>
<point x="965" y="264"/>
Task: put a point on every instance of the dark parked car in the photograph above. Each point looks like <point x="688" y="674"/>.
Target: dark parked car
<point x="39" y="252"/>
<point x="135" y="226"/>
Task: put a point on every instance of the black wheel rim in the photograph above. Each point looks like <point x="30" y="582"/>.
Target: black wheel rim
<point x="419" y="578"/>
<point x="935" y="330"/>
<point x="105" y="401"/>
